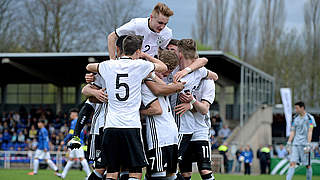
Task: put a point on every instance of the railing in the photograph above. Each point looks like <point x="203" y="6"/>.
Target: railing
<point x="24" y="159"/>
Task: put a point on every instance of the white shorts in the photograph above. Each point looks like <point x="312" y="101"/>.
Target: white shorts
<point x="40" y="154"/>
<point x="77" y="153"/>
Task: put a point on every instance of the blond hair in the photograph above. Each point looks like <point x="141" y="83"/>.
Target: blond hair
<point x="163" y="9"/>
<point x="169" y="58"/>
<point x="188" y="48"/>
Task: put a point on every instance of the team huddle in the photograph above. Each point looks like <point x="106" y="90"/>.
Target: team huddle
<point x="149" y="107"/>
<point x="150" y="104"/>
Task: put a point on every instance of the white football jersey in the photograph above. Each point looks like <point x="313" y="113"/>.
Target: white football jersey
<point x="161" y="129"/>
<point x="100" y="111"/>
<point x="152" y="40"/>
<point x="205" y="92"/>
<point x="123" y="80"/>
<point x="185" y="123"/>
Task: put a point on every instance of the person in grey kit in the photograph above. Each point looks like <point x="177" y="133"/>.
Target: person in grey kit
<point x="300" y="139"/>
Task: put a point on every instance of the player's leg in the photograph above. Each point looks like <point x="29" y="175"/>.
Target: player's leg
<point x="133" y="146"/>
<point x="69" y="164"/>
<point x="84" y="163"/>
<point x="171" y="158"/>
<point x="294" y="158"/>
<point x="95" y="155"/>
<point x="36" y="162"/>
<point x="202" y="153"/>
<point x="306" y="160"/>
<point x="185" y="164"/>
<point x="110" y="157"/>
<point x="50" y="162"/>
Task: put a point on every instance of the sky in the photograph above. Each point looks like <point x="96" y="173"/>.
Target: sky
<point x="185" y="15"/>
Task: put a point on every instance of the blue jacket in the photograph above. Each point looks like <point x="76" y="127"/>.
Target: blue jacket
<point x="248" y="156"/>
<point x="43" y="139"/>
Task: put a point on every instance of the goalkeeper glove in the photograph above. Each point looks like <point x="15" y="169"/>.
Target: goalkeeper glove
<point x="74" y="143"/>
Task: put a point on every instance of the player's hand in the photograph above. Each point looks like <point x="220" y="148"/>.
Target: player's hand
<point x="44" y="150"/>
<point x="74" y="143"/>
<point x="101" y="95"/>
<point x="215" y="76"/>
<point x="182" y="108"/>
<point x="307" y="148"/>
<point x="143" y="55"/>
<point x="179" y="86"/>
<point x="89" y="77"/>
<point x="179" y="75"/>
<point x="159" y="75"/>
<point x="185" y="98"/>
<point x="288" y="147"/>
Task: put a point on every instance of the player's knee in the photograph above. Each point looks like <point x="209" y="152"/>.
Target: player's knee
<point x="207" y="176"/>
<point x="187" y="175"/>
<point x="112" y="175"/>
<point x="292" y="164"/>
<point x="204" y="172"/>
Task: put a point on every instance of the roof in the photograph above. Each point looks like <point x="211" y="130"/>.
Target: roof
<point x="68" y="69"/>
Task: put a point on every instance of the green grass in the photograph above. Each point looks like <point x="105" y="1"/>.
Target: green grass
<point x="18" y="174"/>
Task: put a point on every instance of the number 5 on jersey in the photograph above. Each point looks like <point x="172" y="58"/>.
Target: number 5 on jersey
<point x="125" y="85"/>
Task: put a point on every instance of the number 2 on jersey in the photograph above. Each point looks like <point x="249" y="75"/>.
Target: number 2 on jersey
<point x="125" y="85"/>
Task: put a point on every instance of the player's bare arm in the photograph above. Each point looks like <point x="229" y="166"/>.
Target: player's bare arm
<point x="112" y="38"/>
<point x="89" y="77"/>
<point x="212" y="75"/>
<point x="99" y="94"/>
<point x="310" y="134"/>
<point x="201" y="107"/>
<point x="164" y="89"/>
<point x="153" y="109"/>
<point x="92" y="67"/>
<point x="198" y="63"/>
<point x="159" y="65"/>
<point x="292" y="133"/>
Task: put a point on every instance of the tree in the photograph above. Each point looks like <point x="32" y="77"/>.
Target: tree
<point x="219" y="30"/>
<point x="8" y="33"/>
<point x="243" y="23"/>
<point x="201" y="30"/>
<point x="312" y="44"/>
<point x="109" y="15"/>
<point x="55" y="26"/>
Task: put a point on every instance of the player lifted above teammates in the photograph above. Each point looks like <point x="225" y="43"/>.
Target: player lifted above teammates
<point x="154" y="30"/>
<point x="300" y="139"/>
<point x="122" y="127"/>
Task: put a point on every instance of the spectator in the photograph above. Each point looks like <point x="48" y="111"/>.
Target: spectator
<point x="6" y="136"/>
<point x="1" y="140"/>
<point x="265" y="159"/>
<point x="64" y="128"/>
<point x="16" y="117"/>
<point x="239" y="159"/>
<point x="248" y="156"/>
<point x="1" y="127"/>
<point x="225" y="132"/>
<point x="14" y="137"/>
<point x="34" y="144"/>
<point x="51" y="129"/>
<point x="32" y="132"/>
<point x="223" y="149"/>
<point x="21" y="137"/>
<point x="281" y="151"/>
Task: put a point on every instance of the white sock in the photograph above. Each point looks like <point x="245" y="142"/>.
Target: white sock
<point x="85" y="166"/>
<point x="66" y="169"/>
<point x="52" y="165"/>
<point x="309" y="173"/>
<point x="35" y="166"/>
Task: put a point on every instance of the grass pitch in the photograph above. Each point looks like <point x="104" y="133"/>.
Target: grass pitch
<point x="19" y="174"/>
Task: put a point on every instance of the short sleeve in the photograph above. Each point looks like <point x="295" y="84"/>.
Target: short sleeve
<point x="145" y="67"/>
<point x="293" y="127"/>
<point x="98" y="80"/>
<point x="208" y="91"/>
<point x="103" y="68"/>
<point x="312" y="122"/>
<point x="147" y="96"/>
<point x="203" y="72"/>
<point x="127" y="29"/>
